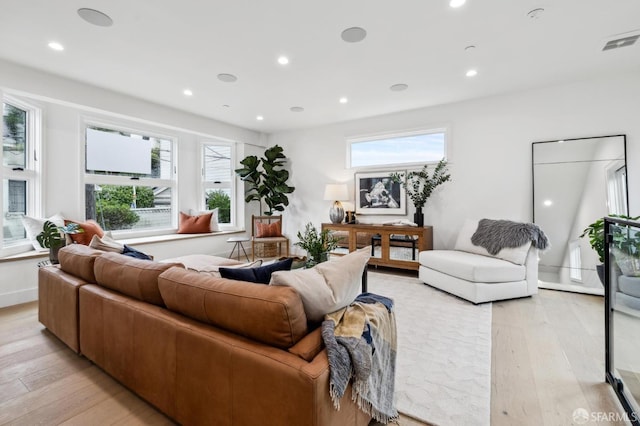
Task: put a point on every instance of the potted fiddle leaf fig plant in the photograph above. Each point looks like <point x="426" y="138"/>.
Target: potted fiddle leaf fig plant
<point x="266" y="179"/>
<point x="317" y="244"/>
<point x="419" y="185"/>
<point x="53" y="237"/>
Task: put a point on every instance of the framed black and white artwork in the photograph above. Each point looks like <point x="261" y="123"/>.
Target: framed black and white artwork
<point x="377" y="193"/>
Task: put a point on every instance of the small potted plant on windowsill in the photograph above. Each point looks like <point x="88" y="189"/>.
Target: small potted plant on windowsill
<point x="53" y="237"/>
<point x="317" y="244"/>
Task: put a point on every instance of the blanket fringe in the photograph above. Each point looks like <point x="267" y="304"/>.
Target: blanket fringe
<point x="359" y="389"/>
<point x="335" y="398"/>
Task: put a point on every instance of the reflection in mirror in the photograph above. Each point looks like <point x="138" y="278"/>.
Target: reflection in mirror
<point x="624" y="295"/>
<point x="575" y="182"/>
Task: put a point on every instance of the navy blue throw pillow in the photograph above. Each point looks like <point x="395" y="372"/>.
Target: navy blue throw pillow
<point x="260" y="275"/>
<point x="131" y="252"/>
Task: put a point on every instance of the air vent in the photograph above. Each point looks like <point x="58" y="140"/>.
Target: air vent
<point x="621" y="42"/>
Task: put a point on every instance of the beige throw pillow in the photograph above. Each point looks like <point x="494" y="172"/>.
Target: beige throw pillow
<point x="328" y="286"/>
<point x="106" y="243"/>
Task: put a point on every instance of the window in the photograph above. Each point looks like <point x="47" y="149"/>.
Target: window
<point x="129" y="179"/>
<point x="20" y="183"/>
<point x="391" y="150"/>
<point x="218" y="180"/>
<point x="575" y="261"/>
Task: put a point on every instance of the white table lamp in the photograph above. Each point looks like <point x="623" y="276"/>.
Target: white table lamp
<point x="336" y="192"/>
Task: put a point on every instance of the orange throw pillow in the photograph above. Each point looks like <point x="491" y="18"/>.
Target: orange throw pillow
<point x="91" y="228"/>
<point x="266" y="230"/>
<point x="194" y="224"/>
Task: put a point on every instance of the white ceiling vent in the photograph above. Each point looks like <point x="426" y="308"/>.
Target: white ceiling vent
<point x="628" y="40"/>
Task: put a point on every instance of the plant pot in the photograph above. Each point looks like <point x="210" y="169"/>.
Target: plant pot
<point x="600" y="271"/>
<point x="316" y="258"/>
<point x="418" y="217"/>
<point x="53" y="252"/>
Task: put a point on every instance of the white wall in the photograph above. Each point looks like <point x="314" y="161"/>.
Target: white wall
<point x="490" y="152"/>
<point x="64" y="105"/>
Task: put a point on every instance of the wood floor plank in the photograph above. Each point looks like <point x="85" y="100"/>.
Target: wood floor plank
<point x="511" y="361"/>
<point x="12" y="390"/>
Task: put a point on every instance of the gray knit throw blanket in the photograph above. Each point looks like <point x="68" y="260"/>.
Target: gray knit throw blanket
<point x="361" y="345"/>
<point x="494" y="235"/>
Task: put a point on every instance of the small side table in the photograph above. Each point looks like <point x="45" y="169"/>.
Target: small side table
<point x="238" y="246"/>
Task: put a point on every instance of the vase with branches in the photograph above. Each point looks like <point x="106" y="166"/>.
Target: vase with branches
<point x="420" y="184"/>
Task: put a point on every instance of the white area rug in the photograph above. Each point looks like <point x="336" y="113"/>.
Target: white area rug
<point x="443" y="368"/>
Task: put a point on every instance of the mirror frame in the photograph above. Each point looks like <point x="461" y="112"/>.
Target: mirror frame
<point x="533" y="174"/>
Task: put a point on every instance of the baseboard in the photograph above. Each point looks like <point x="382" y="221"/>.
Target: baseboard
<point x="18" y="297"/>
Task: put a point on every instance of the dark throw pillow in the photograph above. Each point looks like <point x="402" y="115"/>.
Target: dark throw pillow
<point x="260" y="275"/>
<point x="131" y="252"/>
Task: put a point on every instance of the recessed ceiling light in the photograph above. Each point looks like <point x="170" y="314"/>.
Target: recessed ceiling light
<point x="344" y="100"/>
<point x="283" y="60"/>
<point x="470" y="48"/>
<point x="457" y="3"/>
<point x="399" y="87"/>
<point x="226" y="106"/>
<point x="535" y="13"/>
<point x="259" y="118"/>
<point x="187" y="92"/>
<point x="353" y="34"/>
<point x="471" y="73"/>
<point x="227" y="78"/>
<point x="56" y="46"/>
<point x="548" y="203"/>
<point x="95" y="17"/>
<point x="296" y="109"/>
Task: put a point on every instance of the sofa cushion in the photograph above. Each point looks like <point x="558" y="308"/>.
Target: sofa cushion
<point x="328" y="286"/>
<point x="194" y="224"/>
<point x="517" y="255"/>
<point x="271" y="315"/>
<point x="629" y="285"/>
<point x="134" y="277"/>
<point x="472" y="267"/>
<point x="79" y="260"/>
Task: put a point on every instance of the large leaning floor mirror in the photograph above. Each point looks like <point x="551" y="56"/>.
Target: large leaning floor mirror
<point x="576" y="182"/>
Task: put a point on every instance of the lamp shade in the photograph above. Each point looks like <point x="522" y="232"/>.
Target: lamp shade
<point x="336" y="192"/>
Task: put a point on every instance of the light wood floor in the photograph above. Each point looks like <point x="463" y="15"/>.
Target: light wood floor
<point x="547" y="361"/>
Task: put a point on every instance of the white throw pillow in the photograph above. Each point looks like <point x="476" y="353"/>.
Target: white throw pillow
<point x="106" y="243"/>
<point x="34" y="226"/>
<point x="328" y="286"/>
<point x="210" y="264"/>
<point x="214" y="227"/>
<point x="517" y="255"/>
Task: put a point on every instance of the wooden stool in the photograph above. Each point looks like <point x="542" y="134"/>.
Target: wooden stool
<point x="238" y="245"/>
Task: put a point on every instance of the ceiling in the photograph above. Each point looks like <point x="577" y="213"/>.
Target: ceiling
<point x="155" y="49"/>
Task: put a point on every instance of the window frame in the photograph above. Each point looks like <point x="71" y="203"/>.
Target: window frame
<point x="100" y="179"/>
<point x="231" y="185"/>
<point x="32" y="173"/>
<point x="444" y="129"/>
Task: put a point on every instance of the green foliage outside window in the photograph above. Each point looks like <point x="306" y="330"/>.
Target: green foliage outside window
<point x="219" y="199"/>
<point x="114" y="204"/>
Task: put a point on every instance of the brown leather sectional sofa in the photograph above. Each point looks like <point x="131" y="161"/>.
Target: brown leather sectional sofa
<point x="203" y="350"/>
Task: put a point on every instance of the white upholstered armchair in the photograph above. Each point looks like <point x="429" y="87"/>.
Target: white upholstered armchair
<point x="471" y="272"/>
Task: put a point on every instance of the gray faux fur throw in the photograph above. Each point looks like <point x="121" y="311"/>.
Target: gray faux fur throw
<point x="494" y="235"/>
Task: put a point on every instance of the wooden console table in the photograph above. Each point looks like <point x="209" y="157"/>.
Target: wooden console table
<point x="370" y="232"/>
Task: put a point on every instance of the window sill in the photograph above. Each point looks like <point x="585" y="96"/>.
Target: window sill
<point x="129" y="241"/>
